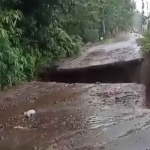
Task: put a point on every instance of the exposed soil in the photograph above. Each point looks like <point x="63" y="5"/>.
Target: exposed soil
<point x="118" y="72"/>
<point x="79" y="116"/>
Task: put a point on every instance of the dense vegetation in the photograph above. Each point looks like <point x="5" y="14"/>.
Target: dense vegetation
<point x="145" y="42"/>
<point x="35" y="32"/>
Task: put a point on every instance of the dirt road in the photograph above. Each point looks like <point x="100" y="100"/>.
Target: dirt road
<point x="78" y="116"/>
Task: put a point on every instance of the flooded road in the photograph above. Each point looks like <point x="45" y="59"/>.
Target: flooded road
<point x="77" y="116"/>
<point x="124" y="48"/>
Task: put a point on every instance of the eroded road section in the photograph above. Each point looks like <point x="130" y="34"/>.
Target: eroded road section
<point x="119" y="62"/>
<point x="124" y="48"/>
<point x="77" y="116"/>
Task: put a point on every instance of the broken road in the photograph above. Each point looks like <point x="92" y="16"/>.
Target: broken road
<point x="78" y="116"/>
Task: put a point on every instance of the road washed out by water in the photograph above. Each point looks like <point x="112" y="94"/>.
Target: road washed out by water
<point x="83" y="115"/>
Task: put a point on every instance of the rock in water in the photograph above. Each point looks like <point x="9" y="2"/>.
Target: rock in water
<point x="30" y="113"/>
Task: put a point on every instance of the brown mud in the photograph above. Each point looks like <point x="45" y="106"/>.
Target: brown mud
<point x="117" y="72"/>
<point x="145" y="78"/>
<point x="72" y="116"/>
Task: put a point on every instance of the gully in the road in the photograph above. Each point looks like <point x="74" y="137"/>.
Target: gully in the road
<point x="72" y="114"/>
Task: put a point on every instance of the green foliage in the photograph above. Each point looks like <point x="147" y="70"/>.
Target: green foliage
<point x="59" y="44"/>
<point x="35" y="32"/>
<point x="145" y="42"/>
<point x="12" y="61"/>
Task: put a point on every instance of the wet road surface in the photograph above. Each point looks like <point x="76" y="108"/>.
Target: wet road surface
<point x="124" y="49"/>
<point x="76" y="116"/>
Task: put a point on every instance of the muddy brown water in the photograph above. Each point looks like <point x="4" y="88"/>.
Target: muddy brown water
<point x="72" y="116"/>
<point x="78" y="116"/>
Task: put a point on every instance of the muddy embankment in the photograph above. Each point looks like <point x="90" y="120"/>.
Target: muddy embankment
<point x="117" y="72"/>
<point x="119" y="62"/>
<point x="128" y="71"/>
<point x="134" y="70"/>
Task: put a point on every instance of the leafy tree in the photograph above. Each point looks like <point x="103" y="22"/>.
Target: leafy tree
<point x="33" y="32"/>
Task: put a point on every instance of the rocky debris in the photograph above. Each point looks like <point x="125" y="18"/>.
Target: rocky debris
<point x="20" y="127"/>
<point x="30" y="113"/>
